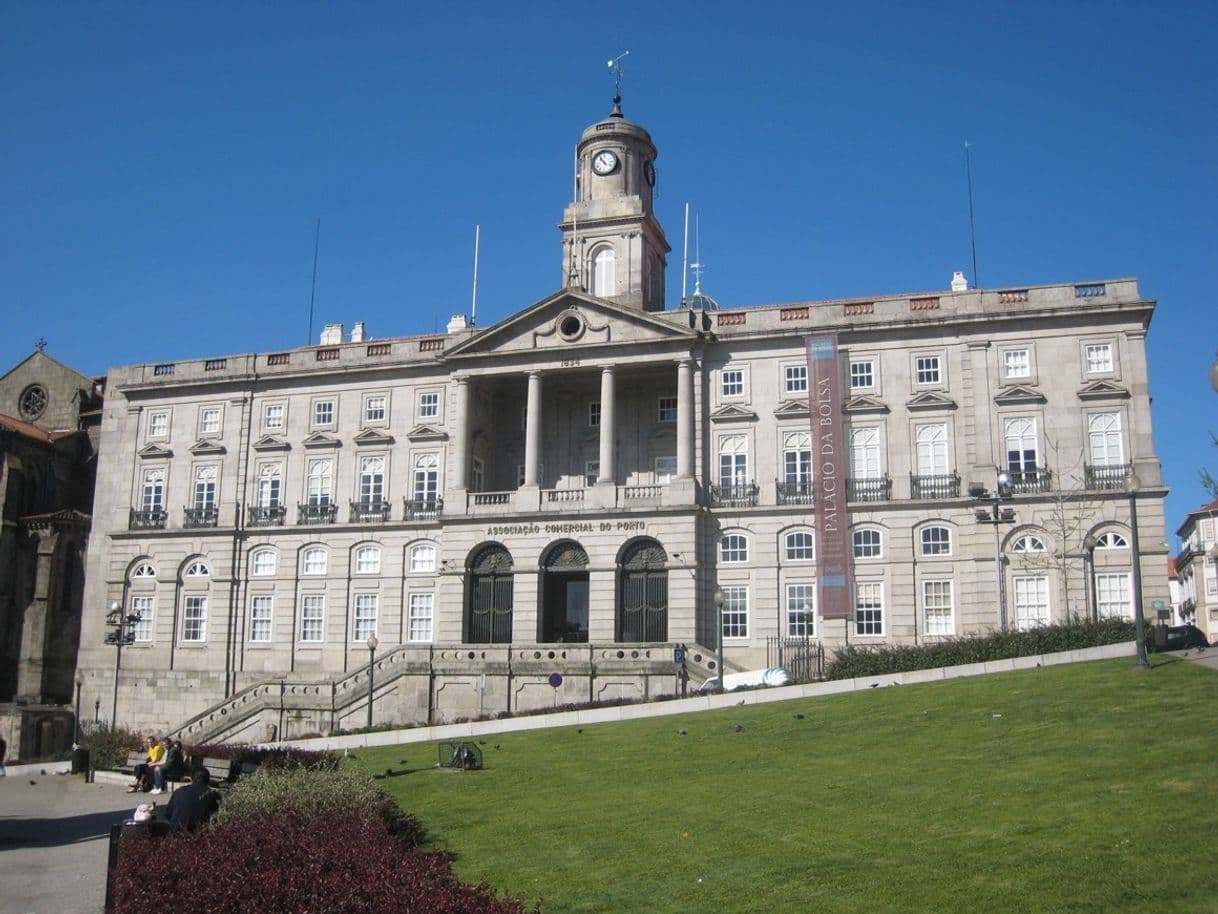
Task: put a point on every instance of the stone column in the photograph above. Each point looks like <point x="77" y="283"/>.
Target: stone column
<point x="607" y="472"/>
<point x="461" y="435"/>
<point x="32" y="664"/>
<point x="532" y="430"/>
<point x="685" y="418"/>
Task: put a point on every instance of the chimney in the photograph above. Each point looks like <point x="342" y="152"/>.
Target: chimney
<point x="959" y="283"/>
<point x="457" y="323"/>
<point x="331" y="334"/>
<point x="357" y="332"/>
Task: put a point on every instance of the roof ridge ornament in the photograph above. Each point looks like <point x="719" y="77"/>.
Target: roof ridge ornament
<point x="616" y="66"/>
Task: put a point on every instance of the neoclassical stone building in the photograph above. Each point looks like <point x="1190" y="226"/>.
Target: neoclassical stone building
<point x="568" y="491"/>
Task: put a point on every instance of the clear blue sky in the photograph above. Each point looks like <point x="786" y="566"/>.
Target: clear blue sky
<point x="165" y="164"/>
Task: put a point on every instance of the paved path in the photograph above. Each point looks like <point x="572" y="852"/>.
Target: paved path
<point x="54" y="840"/>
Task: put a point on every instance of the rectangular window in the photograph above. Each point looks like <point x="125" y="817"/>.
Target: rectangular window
<point x="158" y="424"/>
<point x="1104" y="439"/>
<point x="209" y="421"/>
<point x="592" y="471"/>
<point x="312" y="616"/>
<point x="320" y="481"/>
<point x="594" y="414"/>
<point x="422" y="610"/>
<point x="152" y="495"/>
<point x="366" y="606"/>
<point x="937" y="607"/>
<point x="272" y="417"/>
<point x="1031" y="601"/>
<point x="142" y="607"/>
<point x="869" y="608"/>
<point x="194" y="618"/>
<point x="731" y="382"/>
<point x="865" y="453"/>
<point x="323" y="413"/>
<point x="1016" y="363"/>
<point x="1021" y="446"/>
<point x="795" y="379"/>
<point x="736" y="611"/>
<point x="666" y="469"/>
<point x="862" y="374"/>
<point x="429" y="405"/>
<point x="374" y="409"/>
<point x="270" y="485"/>
<point x="801" y="610"/>
<point x="667" y="409"/>
<point x="1112" y="596"/>
<point x="205" y="487"/>
<point x="1099" y="358"/>
<point x="926" y="370"/>
<point x="478" y="474"/>
<point x="733" y="460"/>
<point x="260" y="619"/>
<point x="371" y="480"/>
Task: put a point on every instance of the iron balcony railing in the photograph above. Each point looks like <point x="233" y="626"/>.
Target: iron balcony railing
<point x="370" y="512"/>
<point x="423" y="508"/>
<point x="316" y="514"/>
<point x="942" y="485"/>
<point x="267" y="515"/>
<point x="795" y="493"/>
<point x="1110" y="476"/>
<point x="201" y="517"/>
<point x="150" y="519"/>
<point x="878" y="489"/>
<point x="741" y="495"/>
<point x="1026" y="482"/>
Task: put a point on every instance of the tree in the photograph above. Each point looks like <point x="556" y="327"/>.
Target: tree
<point x="1207" y="479"/>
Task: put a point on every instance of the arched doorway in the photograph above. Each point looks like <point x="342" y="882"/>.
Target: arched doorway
<point x="564" y="595"/>
<point x="488" y="617"/>
<point x="643" y="593"/>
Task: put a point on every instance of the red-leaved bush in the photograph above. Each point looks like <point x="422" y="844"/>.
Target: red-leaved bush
<point x="334" y="864"/>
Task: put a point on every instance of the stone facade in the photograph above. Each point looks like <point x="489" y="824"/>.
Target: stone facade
<point x="539" y="511"/>
<point x="1197" y="568"/>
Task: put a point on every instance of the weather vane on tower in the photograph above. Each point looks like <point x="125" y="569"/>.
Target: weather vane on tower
<point x="616" y="66"/>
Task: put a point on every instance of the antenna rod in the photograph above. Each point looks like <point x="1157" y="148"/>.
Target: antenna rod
<point x="972" y="222"/>
<point x="313" y="284"/>
<point x="473" y="316"/>
<point x="685" y="255"/>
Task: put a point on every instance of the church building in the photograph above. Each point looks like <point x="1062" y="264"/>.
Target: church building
<point x="543" y="511"/>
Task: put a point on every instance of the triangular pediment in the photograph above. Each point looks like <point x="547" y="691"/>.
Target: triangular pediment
<point x="862" y="405"/>
<point x="154" y="452"/>
<point x="1017" y="393"/>
<point x="204" y="446"/>
<point x="427" y="433"/>
<point x="733" y="413"/>
<point x="568" y="321"/>
<point x="371" y="436"/>
<point x="930" y="400"/>
<point x="271" y="443"/>
<point x="1103" y="390"/>
<point x="320" y="440"/>
<point x="791" y="409"/>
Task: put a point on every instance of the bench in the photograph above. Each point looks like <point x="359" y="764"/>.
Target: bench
<point x="140" y="757"/>
<point x="225" y="772"/>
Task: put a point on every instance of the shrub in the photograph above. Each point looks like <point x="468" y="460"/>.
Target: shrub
<point x="854" y="661"/>
<point x="339" y="864"/>
<point x="108" y="747"/>
<point x="286" y="757"/>
<point x="304" y="794"/>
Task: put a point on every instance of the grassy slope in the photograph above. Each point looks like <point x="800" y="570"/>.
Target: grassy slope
<point x="1080" y="788"/>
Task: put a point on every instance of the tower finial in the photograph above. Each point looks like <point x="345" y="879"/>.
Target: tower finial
<point x="616" y="66"/>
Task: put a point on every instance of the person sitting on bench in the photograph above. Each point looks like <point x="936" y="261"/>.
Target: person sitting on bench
<point x="143" y="771"/>
<point x="172" y="766"/>
<point x="193" y="805"/>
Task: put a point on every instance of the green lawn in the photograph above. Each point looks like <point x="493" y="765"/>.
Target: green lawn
<point x="1091" y="787"/>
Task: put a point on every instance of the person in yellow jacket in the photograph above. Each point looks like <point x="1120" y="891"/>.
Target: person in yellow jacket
<point x="143" y="771"/>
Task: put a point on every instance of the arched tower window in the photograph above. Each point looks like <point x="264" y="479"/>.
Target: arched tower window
<point x="488" y="617"/>
<point x="604" y="273"/>
<point x="643" y="593"/>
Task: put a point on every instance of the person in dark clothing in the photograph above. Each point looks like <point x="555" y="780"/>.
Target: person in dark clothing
<point x="194" y="804"/>
<point x="172" y="767"/>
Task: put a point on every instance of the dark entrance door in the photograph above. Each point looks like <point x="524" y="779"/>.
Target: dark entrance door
<point x="564" y="595"/>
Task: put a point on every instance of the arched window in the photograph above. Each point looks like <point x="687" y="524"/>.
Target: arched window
<point x="422" y="558"/>
<point x="314" y="561"/>
<point x="867" y="543"/>
<point x="1028" y="543"/>
<point x="643" y="594"/>
<point x="368" y="560"/>
<point x="197" y="569"/>
<point x="426" y="480"/>
<point x="262" y="562"/>
<point x="604" y="273"/>
<point x="488" y="619"/>
<point x="800" y="546"/>
<point x="144" y="570"/>
<point x="1111" y="540"/>
<point x="734" y="547"/>
<point x="564" y="594"/>
<point x="936" y="540"/>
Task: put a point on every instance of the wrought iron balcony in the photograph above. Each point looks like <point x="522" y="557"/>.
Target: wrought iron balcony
<point x="153" y="519"/>
<point x="1109" y="477"/>
<point x="877" y="489"/>
<point x="423" y="508"/>
<point x="1024" y="482"/>
<point x="943" y="485"/>
<point x="201" y="517"/>
<point x="370" y="512"/>
<point x="741" y="495"/>
<point x="267" y="515"/>
<point x="316" y="514"/>
<point x="794" y="493"/>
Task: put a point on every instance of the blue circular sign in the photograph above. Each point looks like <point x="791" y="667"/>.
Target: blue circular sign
<point x="556" y="679"/>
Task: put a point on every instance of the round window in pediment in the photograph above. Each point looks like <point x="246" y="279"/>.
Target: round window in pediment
<point x="33" y="402"/>
<point x="570" y="326"/>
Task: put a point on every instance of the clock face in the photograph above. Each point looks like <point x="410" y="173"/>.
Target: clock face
<point x="649" y="172"/>
<point x="604" y="162"/>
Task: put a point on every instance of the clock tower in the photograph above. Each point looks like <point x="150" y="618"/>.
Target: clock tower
<point x="613" y="246"/>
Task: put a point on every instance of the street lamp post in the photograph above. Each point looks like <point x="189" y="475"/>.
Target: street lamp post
<point x="720" y="599"/>
<point x="996" y="516"/>
<point x="1089" y="544"/>
<point x="1131" y="487"/>
<point x="122" y="633"/>
<point x="372" y="643"/>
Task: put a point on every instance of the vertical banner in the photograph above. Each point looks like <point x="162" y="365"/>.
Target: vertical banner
<point x="833" y="553"/>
